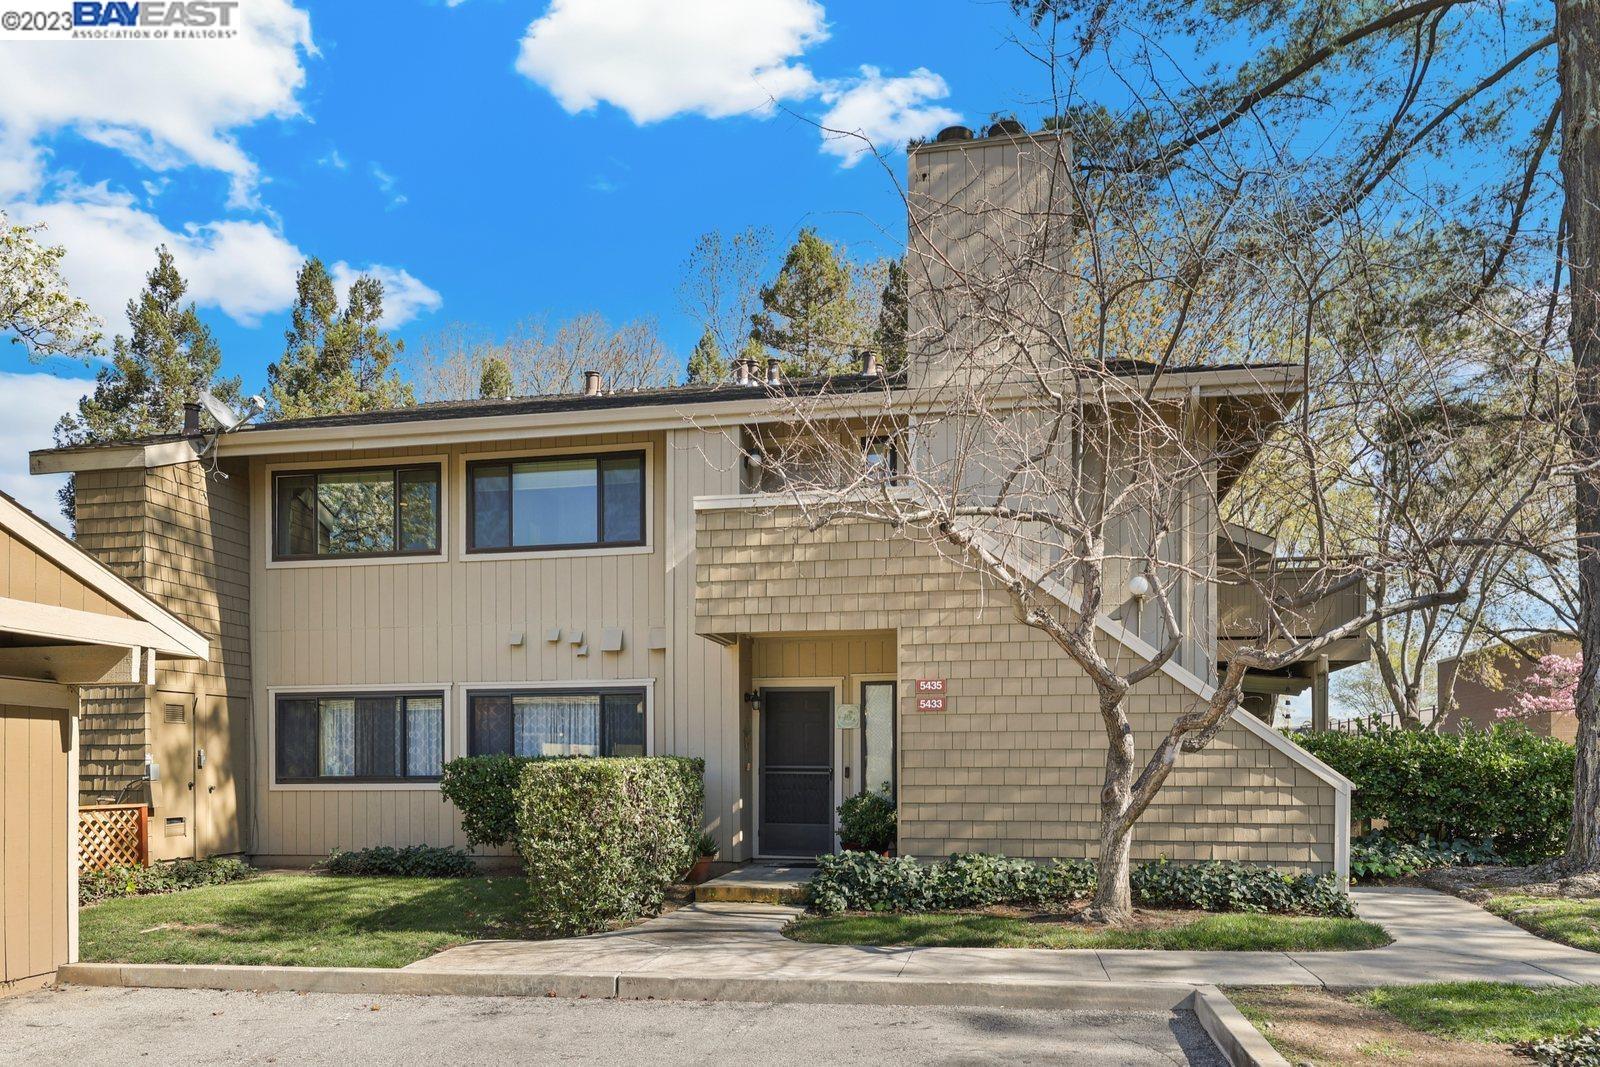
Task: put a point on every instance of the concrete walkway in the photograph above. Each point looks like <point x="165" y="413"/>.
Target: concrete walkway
<point x="1438" y="938"/>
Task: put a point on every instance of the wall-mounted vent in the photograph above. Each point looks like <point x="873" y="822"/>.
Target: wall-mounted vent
<point x="174" y="713"/>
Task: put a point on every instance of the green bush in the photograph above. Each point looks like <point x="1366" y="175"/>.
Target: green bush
<point x="1218" y="886"/>
<point x="483" y="789"/>
<point x="865" y="881"/>
<point x="413" y="861"/>
<point x="1504" y="787"/>
<point x="95" y="886"/>
<point x="601" y="839"/>
<point x="1378" y="855"/>
<point x="867" y="822"/>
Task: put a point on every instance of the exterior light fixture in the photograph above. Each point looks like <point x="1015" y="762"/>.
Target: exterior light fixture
<point x="1139" y="587"/>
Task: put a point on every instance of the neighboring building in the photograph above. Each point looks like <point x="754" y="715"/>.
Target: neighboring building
<point x="601" y="574"/>
<point x="1482" y="687"/>
<point x="65" y="621"/>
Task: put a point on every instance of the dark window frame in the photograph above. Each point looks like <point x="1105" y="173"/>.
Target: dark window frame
<point x="395" y="470"/>
<point x="508" y="462"/>
<point x="894" y="735"/>
<point x="578" y="690"/>
<point x="400" y="695"/>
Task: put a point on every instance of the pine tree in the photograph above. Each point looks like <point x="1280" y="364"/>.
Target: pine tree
<point x="168" y="357"/>
<point x="335" y="362"/>
<point x="808" y="314"/>
<point x="495" y="382"/>
<point x="893" y="311"/>
<point x="706" y="365"/>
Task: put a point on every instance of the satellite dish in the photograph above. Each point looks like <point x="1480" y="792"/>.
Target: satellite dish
<point x="222" y="413"/>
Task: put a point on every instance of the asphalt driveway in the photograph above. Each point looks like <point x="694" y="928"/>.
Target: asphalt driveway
<point x="86" y="1027"/>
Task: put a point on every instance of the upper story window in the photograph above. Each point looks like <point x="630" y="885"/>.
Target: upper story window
<point x="571" y="501"/>
<point x="350" y="514"/>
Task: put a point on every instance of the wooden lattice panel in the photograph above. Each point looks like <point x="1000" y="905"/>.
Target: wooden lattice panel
<point x="112" y="835"/>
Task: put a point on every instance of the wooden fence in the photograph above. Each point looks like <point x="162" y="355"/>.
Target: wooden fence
<point x="113" y="835"/>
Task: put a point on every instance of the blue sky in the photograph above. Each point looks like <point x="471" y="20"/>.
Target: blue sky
<point x="491" y="160"/>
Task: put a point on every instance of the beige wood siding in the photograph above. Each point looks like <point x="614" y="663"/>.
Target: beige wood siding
<point x="36" y="809"/>
<point x="449" y="624"/>
<point x="25" y="574"/>
<point x="1014" y="764"/>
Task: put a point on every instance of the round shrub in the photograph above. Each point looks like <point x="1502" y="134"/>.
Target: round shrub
<point x="1504" y="788"/>
<point x="602" y="839"/>
<point x="867" y="822"/>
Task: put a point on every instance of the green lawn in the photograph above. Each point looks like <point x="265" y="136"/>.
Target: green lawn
<point x="1229" y="932"/>
<point x="305" y="920"/>
<point x="1570" y="921"/>
<point x="1489" y="1011"/>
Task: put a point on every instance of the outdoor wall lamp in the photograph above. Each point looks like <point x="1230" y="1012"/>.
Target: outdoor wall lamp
<point x="1138" y="587"/>
<point x="754" y="700"/>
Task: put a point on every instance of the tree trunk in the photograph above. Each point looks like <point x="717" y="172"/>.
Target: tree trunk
<point x="1113" y="894"/>
<point x="1578" y="69"/>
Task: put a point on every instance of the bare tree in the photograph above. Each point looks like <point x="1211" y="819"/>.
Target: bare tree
<point x="542" y="361"/>
<point x="1093" y="359"/>
<point x="721" y="285"/>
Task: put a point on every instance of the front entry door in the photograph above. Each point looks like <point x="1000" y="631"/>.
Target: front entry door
<point x="796" y="772"/>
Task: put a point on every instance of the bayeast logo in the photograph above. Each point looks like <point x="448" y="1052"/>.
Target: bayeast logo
<point x="154" y="14"/>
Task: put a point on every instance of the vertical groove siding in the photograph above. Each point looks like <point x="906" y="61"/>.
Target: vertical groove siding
<point x="35" y="894"/>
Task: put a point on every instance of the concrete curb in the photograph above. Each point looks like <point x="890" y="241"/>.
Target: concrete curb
<point x="1231" y="1032"/>
<point x="368" y="980"/>
<point x="910" y="992"/>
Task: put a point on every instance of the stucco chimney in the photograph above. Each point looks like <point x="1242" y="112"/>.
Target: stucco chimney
<point x="741" y="371"/>
<point x="774" y="372"/>
<point x="591" y="383"/>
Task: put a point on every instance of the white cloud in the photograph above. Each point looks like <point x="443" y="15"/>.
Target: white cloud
<point x="404" y="296"/>
<point x="243" y="268"/>
<point x="885" y="111"/>
<point x="387" y="184"/>
<point x="30" y="404"/>
<point x="166" y="104"/>
<point x="659" y="58"/>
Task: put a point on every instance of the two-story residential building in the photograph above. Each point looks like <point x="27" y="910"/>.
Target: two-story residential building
<point x="601" y="574"/>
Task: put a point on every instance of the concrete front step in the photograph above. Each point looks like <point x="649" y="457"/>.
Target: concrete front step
<point x="757" y="884"/>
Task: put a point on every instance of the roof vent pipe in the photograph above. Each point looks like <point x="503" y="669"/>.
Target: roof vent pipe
<point x="869" y="361"/>
<point x="741" y="371"/>
<point x="591" y="383"/>
<point x="774" y="372"/>
<point x="191" y="419"/>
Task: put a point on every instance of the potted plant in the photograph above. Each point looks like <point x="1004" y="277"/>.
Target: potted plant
<point x="705" y="850"/>
<point x="867" y="823"/>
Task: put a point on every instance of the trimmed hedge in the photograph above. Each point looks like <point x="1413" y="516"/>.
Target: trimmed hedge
<point x="863" y="881"/>
<point x="95" y="886"/>
<point x="1504" y="788"/>
<point x="601" y="839"/>
<point x="484" y="791"/>
<point x="413" y="861"/>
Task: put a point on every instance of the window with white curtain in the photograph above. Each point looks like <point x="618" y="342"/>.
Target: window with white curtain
<point x="577" y="722"/>
<point x="359" y="737"/>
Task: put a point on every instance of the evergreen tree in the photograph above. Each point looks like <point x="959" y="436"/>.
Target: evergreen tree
<point x="808" y="314"/>
<point x="706" y="365"/>
<point x="168" y="357"/>
<point x="893" y="311"/>
<point x="335" y="362"/>
<point x="495" y="381"/>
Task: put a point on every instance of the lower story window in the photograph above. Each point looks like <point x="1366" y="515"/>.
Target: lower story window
<point x="577" y="722"/>
<point x="360" y="737"/>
